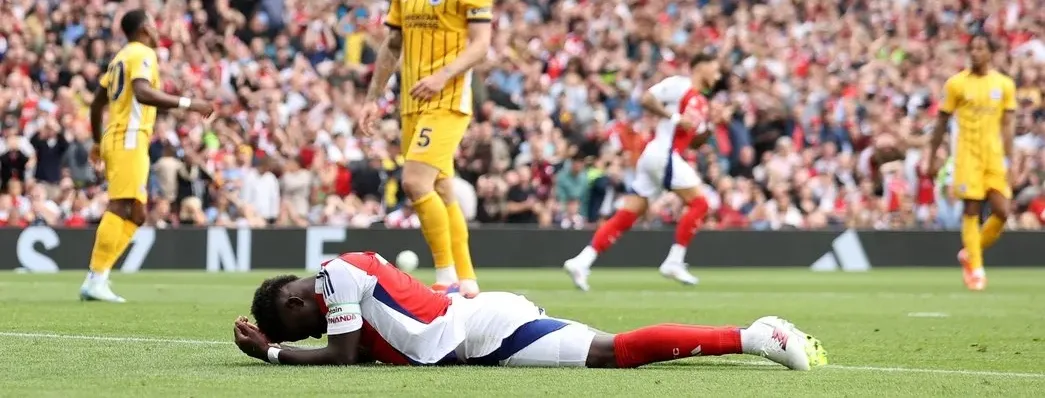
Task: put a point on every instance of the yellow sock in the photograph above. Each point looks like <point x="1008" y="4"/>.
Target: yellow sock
<point x="991" y="231"/>
<point x="972" y="241"/>
<point x="459" y="242"/>
<point x="435" y="226"/>
<point x="112" y="238"/>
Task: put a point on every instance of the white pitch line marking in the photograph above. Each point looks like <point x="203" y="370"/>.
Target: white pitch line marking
<point x="928" y="315"/>
<point x="107" y="338"/>
<point x="720" y="361"/>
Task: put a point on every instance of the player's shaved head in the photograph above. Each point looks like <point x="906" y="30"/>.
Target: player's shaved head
<point x="266" y="307"/>
<point x="133" y="21"/>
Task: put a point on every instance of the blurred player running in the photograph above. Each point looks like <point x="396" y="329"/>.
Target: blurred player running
<point x="983" y="100"/>
<point x="440" y="41"/>
<point x="371" y="311"/>
<point x="130" y="87"/>
<point x="683" y="108"/>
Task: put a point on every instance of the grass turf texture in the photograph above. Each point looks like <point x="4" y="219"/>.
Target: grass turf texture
<point x="912" y="332"/>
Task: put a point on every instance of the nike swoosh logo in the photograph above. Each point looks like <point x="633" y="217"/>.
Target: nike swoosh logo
<point x="695" y="352"/>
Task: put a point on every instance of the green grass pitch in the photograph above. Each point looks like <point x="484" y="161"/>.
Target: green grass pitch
<point x="911" y="332"/>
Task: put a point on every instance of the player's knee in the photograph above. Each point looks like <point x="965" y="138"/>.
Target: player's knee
<point x="601" y="354"/>
<point x="972" y="208"/>
<point x="138" y="215"/>
<point x="123" y="208"/>
<point x="689" y="195"/>
<point x="445" y="188"/>
<point x="635" y="204"/>
<point x="418" y="179"/>
<point x="1001" y="211"/>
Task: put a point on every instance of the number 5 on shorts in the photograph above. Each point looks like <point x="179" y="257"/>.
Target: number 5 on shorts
<point x="424" y="137"/>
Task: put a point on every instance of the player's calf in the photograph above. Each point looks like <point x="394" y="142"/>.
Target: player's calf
<point x="419" y="184"/>
<point x="768" y="337"/>
<point x="674" y="265"/>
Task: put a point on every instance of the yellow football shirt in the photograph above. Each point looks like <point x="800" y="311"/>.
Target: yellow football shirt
<point x="435" y="32"/>
<point x="128" y="117"/>
<point x="978" y="103"/>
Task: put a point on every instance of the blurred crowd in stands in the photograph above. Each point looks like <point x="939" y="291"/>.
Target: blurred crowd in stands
<point x="811" y="89"/>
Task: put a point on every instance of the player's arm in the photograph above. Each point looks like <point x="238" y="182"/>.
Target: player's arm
<point x="141" y="75"/>
<point x="342" y="349"/>
<point x="1008" y="118"/>
<point x="668" y="90"/>
<point x="651" y="104"/>
<point x="480" y="34"/>
<point x="387" y="61"/>
<point x="388" y="54"/>
<point x="101" y="99"/>
<point x="943" y="118"/>
<point x="147" y="95"/>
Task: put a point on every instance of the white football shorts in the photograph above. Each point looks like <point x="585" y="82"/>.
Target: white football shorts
<point x="509" y="330"/>
<point x="661" y="169"/>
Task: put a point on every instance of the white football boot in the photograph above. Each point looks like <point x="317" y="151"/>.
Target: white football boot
<point x="96" y="288"/>
<point x="678" y="271"/>
<point x="780" y="341"/>
<point x="579" y="268"/>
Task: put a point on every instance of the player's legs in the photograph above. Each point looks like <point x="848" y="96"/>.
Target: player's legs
<point x="454" y="125"/>
<point x="434" y="138"/>
<point x="579" y="267"/>
<point x="127" y="175"/>
<point x="992" y="228"/>
<point x="550" y="342"/>
<point x="459" y="239"/>
<point x="649" y="183"/>
<point x="684" y="181"/>
<point x="998" y="196"/>
<point x="969" y="185"/>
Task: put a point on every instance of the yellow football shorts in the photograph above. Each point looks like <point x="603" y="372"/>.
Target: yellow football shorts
<point x="975" y="176"/>
<point x="126" y="166"/>
<point x="432" y="137"/>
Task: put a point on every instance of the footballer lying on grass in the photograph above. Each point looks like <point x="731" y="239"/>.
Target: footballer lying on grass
<point x="372" y="312"/>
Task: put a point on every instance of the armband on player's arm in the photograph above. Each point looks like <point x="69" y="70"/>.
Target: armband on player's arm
<point x="273" y="355"/>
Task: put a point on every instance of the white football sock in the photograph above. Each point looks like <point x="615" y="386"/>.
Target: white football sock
<point x="587" y="256"/>
<point x="446" y="276"/>
<point x="748" y="343"/>
<point x="676" y="255"/>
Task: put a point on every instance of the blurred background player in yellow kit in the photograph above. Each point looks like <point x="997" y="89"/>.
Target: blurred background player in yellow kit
<point x="439" y="42"/>
<point x="130" y="87"/>
<point x="983" y="101"/>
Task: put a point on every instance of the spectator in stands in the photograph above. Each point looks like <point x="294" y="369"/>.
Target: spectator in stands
<point x="296" y="184"/>
<point x="522" y="204"/>
<point x="261" y="191"/>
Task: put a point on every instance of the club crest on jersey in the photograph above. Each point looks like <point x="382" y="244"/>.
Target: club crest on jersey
<point x="996" y="94"/>
<point x="434" y="2"/>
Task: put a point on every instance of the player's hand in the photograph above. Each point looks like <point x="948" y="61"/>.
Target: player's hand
<point x="430" y="86"/>
<point x="250" y="340"/>
<point x="96" y="154"/>
<point x="934" y="168"/>
<point x="368" y="117"/>
<point x="204" y="108"/>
